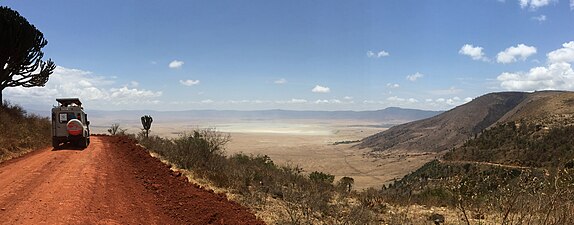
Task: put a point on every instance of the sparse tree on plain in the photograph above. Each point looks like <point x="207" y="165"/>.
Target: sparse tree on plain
<point x="21" y="52"/>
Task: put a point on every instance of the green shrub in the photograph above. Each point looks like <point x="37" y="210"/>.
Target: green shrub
<point x="321" y="177"/>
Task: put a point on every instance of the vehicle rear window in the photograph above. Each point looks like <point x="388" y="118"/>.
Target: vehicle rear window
<point x="65" y="117"/>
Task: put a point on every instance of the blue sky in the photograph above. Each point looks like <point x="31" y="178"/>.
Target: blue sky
<point x="304" y="55"/>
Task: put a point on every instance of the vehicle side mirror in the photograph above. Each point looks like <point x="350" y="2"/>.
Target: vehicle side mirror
<point x="88" y="123"/>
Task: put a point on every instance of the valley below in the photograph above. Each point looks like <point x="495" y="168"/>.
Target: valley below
<point x="327" y="146"/>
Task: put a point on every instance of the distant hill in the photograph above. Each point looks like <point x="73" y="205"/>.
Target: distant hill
<point x="526" y="155"/>
<point x="452" y="128"/>
<point x="389" y="116"/>
<point x="539" y="132"/>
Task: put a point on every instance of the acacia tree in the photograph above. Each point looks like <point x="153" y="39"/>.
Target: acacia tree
<point x="21" y="52"/>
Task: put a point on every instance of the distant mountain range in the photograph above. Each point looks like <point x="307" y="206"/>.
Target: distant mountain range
<point x="451" y="129"/>
<point x="388" y="116"/>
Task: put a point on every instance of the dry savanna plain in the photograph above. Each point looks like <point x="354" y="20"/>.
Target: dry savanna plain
<point x="308" y="144"/>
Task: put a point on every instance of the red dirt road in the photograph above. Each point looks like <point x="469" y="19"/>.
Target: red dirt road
<point x="113" y="181"/>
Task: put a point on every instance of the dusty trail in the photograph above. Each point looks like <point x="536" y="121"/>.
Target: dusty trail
<point x="113" y="181"/>
<point x="487" y="164"/>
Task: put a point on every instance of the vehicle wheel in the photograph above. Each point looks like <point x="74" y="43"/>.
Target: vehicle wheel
<point x="55" y="143"/>
<point x="83" y="143"/>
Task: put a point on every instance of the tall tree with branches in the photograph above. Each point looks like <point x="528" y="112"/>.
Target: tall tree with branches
<point x="21" y="52"/>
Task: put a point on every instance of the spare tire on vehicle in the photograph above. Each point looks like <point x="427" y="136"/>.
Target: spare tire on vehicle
<point x="75" y="127"/>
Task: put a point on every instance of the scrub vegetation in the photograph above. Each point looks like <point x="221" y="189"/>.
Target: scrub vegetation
<point x="518" y="188"/>
<point x="21" y="132"/>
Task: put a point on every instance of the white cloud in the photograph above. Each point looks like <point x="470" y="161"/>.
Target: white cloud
<point x="555" y="76"/>
<point x="321" y="89"/>
<point x="412" y="100"/>
<point x="280" y="81"/>
<point x="348" y="98"/>
<point x="415" y="76"/>
<point x="189" y="82"/>
<point x="533" y="4"/>
<point x="292" y="101"/>
<point x="379" y="54"/>
<point x="238" y="101"/>
<point x="447" y="102"/>
<point x="295" y="100"/>
<point x="521" y="51"/>
<point x="449" y="91"/>
<point x="474" y="52"/>
<point x="397" y="99"/>
<point x="176" y="64"/>
<point x="565" y="54"/>
<point x="245" y="101"/>
<point x="390" y="85"/>
<point x="571" y="4"/>
<point x="134" y="83"/>
<point x="97" y="90"/>
<point x="127" y="93"/>
<point x="207" y="101"/>
<point x="540" y="18"/>
<point x="325" y="101"/>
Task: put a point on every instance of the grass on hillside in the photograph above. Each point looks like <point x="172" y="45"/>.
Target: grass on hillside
<point x="313" y="198"/>
<point x="21" y="132"/>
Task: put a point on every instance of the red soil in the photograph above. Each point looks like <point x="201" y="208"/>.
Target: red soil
<point x="113" y="181"/>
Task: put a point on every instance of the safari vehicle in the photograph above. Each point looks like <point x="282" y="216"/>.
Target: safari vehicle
<point x="70" y="123"/>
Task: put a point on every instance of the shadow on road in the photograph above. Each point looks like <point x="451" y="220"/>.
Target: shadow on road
<point x="68" y="147"/>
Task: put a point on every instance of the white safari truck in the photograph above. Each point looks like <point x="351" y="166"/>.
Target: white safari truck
<point x="70" y="123"/>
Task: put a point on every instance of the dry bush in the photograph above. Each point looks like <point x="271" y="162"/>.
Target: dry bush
<point x="21" y="132"/>
<point x="116" y="130"/>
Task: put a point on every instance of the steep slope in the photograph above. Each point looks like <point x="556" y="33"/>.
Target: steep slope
<point x="525" y="156"/>
<point x="449" y="129"/>
<point x="542" y="105"/>
<point x="539" y="132"/>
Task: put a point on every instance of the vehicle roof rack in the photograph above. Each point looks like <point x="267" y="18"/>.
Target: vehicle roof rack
<point x="69" y="101"/>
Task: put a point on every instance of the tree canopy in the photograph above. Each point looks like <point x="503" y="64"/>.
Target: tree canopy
<point x="21" y="52"/>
